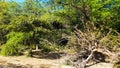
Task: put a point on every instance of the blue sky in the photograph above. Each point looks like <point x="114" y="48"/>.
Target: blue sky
<point x="16" y="0"/>
<point x="19" y="0"/>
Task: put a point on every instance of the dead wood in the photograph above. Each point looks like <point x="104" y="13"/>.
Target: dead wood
<point x="89" y="47"/>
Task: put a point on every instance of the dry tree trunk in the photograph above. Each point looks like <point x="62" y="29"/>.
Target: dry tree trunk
<point x="92" y="45"/>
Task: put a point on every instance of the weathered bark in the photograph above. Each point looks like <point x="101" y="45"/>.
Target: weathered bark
<point x="91" y="46"/>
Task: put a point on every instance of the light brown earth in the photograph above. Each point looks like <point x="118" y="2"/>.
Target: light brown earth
<point x="27" y="62"/>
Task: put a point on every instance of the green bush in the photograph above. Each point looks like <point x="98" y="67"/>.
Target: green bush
<point x="45" y="47"/>
<point x="9" y="50"/>
<point x="13" y="46"/>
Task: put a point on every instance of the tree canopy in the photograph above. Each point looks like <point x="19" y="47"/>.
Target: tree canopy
<point x="31" y="22"/>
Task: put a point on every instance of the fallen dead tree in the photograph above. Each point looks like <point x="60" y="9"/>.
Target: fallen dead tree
<point x="79" y="61"/>
<point x="89" y="47"/>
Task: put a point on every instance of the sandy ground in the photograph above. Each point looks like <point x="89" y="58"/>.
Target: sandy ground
<point x="27" y="62"/>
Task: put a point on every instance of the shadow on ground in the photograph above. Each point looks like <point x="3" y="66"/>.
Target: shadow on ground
<point x="46" y="55"/>
<point x="9" y="65"/>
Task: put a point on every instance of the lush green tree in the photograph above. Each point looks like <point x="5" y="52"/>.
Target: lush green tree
<point x="4" y="20"/>
<point x="90" y="11"/>
<point x="27" y="20"/>
<point x="33" y="20"/>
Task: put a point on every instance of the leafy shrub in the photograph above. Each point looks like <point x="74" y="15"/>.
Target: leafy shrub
<point x="13" y="46"/>
<point x="47" y="46"/>
<point x="10" y="50"/>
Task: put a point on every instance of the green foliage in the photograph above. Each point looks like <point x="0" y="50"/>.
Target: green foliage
<point x="112" y="42"/>
<point x="13" y="46"/>
<point x="26" y="24"/>
<point x="9" y="50"/>
<point x="47" y="46"/>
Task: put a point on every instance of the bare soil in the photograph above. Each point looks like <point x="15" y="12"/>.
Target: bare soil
<point x="28" y="62"/>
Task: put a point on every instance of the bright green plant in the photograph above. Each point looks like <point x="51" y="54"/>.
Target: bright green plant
<point x="14" y="44"/>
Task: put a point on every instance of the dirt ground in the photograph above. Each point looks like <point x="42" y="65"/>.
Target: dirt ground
<point x="28" y="62"/>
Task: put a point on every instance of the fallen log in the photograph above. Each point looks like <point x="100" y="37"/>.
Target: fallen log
<point x="98" y="54"/>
